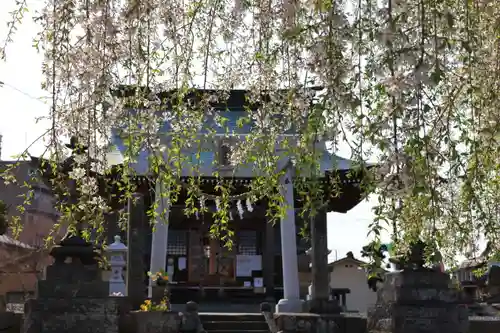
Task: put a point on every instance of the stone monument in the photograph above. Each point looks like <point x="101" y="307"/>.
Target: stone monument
<point x="417" y="299"/>
<point x="320" y="301"/>
<point x="493" y="285"/>
<point x="73" y="297"/>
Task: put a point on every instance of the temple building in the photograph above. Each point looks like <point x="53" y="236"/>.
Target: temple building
<point x="266" y="262"/>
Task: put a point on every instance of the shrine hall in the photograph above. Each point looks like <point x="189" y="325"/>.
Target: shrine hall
<point x="267" y="262"/>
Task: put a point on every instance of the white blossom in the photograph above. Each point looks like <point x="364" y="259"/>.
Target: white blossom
<point x="80" y="159"/>
<point x="77" y="173"/>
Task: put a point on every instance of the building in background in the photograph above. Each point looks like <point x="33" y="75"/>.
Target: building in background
<point x="23" y="259"/>
<point x="349" y="273"/>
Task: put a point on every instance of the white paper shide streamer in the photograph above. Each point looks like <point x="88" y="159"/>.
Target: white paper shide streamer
<point x="249" y="205"/>
<point x="239" y="206"/>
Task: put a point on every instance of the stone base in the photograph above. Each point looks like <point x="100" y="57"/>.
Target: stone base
<point x="290" y="306"/>
<point x="158" y="293"/>
<point x="416" y="301"/>
<point x="77" y="315"/>
<point x="305" y="323"/>
<point x="323" y="306"/>
<point x="154" y="321"/>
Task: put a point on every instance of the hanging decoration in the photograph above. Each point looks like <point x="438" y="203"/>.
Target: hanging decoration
<point x="249" y="205"/>
<point x="239" y="206"/>
<point x="240" y="209"/>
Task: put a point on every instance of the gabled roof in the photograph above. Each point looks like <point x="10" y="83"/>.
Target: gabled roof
<point x="16" y="263"/>
<point x="6" y="240"/>
<point x="235" y="108"/>
<point x="348" y="258"/>
<point x="207" y="165"/>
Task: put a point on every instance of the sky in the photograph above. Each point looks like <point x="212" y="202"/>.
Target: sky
<point x="23" y="101"/>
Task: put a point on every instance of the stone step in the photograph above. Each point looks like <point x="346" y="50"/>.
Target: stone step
<point x="211" y="326"/>
<point x="237" y="331"/>
<point x="221" y="316"/>
<point x="234" y="323"/>
<point x="180" y="295"/>
<point x="221" y="307"/>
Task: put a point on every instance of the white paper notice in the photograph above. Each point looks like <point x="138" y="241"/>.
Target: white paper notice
<point x="245" y="264"/>
<point x="258" y="282"/>
<point x="181" y="263"/>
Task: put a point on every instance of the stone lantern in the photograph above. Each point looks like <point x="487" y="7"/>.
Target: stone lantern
<point x="117" y="253"/>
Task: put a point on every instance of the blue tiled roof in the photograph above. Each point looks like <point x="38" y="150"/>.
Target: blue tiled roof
<point x="233" y="124"/>
<point x="205" y="158"/>
<point x="230" y="122"/>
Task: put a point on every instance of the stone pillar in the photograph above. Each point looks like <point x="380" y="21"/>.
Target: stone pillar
<point x="117" y="252"/>
<point x="136" y="266"/>
<point x="291" y="301"/>
<point x="268" y="263"/>
<point x="309" y="252"/>
<point x="159" y="241"/>
<point x="320" y="290"/>
<point x="414" y="301"/>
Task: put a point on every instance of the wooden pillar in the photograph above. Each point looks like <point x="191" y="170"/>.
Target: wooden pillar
<point x="268" y="261"/>
<point x="213" y="266"/>
<point x="195" y="256"/>
<point x="136" y="266"/>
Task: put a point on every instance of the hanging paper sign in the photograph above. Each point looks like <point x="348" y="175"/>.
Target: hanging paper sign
<point x="245" y="264"/>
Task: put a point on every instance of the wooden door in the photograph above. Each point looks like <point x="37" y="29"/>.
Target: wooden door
<point x="195" y="257"/>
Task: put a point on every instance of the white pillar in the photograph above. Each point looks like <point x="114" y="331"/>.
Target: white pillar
<point x="159" y="241"/>
<point x="117" y="252"/>
<point x="291" y="301"/>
